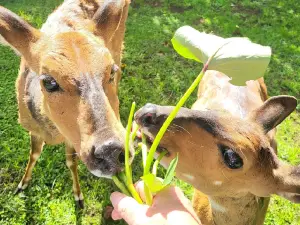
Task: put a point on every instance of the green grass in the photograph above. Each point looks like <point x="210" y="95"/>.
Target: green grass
<point x="153" y="73"/>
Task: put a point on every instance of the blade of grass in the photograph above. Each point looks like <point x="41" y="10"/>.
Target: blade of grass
<point x="174" y="113"/>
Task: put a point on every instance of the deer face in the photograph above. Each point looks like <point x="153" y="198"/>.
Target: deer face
<point x="80" y="97"/>
<point x="222" y="155"/>
<point x="79" y="93"/>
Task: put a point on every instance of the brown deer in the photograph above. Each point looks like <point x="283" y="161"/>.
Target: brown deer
<point x="68" y="81"/>
<point x="227" y="149"/>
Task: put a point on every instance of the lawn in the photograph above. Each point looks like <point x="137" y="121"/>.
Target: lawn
<point x="154" y="73"/>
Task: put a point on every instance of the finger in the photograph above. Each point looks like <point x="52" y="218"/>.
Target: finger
<point x="139" y="186"/>
<point x="127" y="207"/>
<point x="115" y="215"/>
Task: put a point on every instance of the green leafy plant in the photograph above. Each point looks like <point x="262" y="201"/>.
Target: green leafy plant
<point x="233" y="56"/>
<point x="239" y="58"/>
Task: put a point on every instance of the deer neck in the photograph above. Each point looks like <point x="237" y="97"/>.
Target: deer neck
<point x="246" y="210"/>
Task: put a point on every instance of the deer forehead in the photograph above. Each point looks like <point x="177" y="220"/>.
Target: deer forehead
<point x="75" y="53"/>
<point x="238" y="134"/>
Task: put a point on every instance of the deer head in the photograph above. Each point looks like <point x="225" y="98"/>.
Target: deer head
<point x="222" y="155"/>
<point x="78" y="74"/>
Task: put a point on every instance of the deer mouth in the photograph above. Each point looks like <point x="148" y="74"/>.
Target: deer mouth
<point x="150" y="120"/>
<point x="149" y="140"/>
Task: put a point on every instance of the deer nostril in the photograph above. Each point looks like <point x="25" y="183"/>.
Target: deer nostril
<point x="110" y="151"/>
<point x="100" y="160"/>
<point x="121" y="158"/>
<point x="148" y="119"/>
<point x="147" y="115"/>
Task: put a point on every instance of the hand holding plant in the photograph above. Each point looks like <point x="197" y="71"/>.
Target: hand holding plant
<point x="170" y="206"/>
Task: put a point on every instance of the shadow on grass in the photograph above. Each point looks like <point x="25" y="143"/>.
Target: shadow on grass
<point x="29" y="212"/>
<point x="78" y="214"/>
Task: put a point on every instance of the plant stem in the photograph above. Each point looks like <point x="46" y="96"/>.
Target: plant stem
<point x="134" y="193"/>
<point x="144" y="151"/>
<point x="134" y="131"/>
<point x="128" y="171"/>
<point x="121" y="186"/>
<point x="122" y="177"/>
<point x="148" y="195"/>
<point x="169" y="120"/>
<point x="127" y="144"/>
<point x="174" y="112"/>
<point x="147" y="191"/>
<point x="161" y="155"/>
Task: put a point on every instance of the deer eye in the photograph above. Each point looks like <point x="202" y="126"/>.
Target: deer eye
<point x="231" y="158"/>
<point x="50" y="83"/>
<point x="114" y="70"/>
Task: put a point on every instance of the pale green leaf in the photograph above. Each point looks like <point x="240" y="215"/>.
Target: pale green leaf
<point x="170" y="171"/>
<point x="155" y="184"/>
<point x="239" y="58"/>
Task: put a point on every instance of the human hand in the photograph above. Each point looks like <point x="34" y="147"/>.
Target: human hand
<point x="170" y="207"/>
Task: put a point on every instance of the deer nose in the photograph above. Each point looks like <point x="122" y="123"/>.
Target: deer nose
<point x="112" y="151"/>
<point x="146" y="116"/>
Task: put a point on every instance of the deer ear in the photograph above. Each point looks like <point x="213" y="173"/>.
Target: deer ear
<point x="110" y="17"/>
<point x="274" y="111"/>
<point x="16" y="32"/>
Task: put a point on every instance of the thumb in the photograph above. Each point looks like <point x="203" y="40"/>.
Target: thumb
<point x="127" y="208"/>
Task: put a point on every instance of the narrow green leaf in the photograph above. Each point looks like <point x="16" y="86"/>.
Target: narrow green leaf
<point x="157" y="161"/>
<point x="121" y="186"/>
<point x="171" y="171"/>
<point x="122" y="176"/>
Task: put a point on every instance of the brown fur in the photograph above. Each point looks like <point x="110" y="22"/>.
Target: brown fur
<point x="241" y="119"/>
<point x="78" y="51"/>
